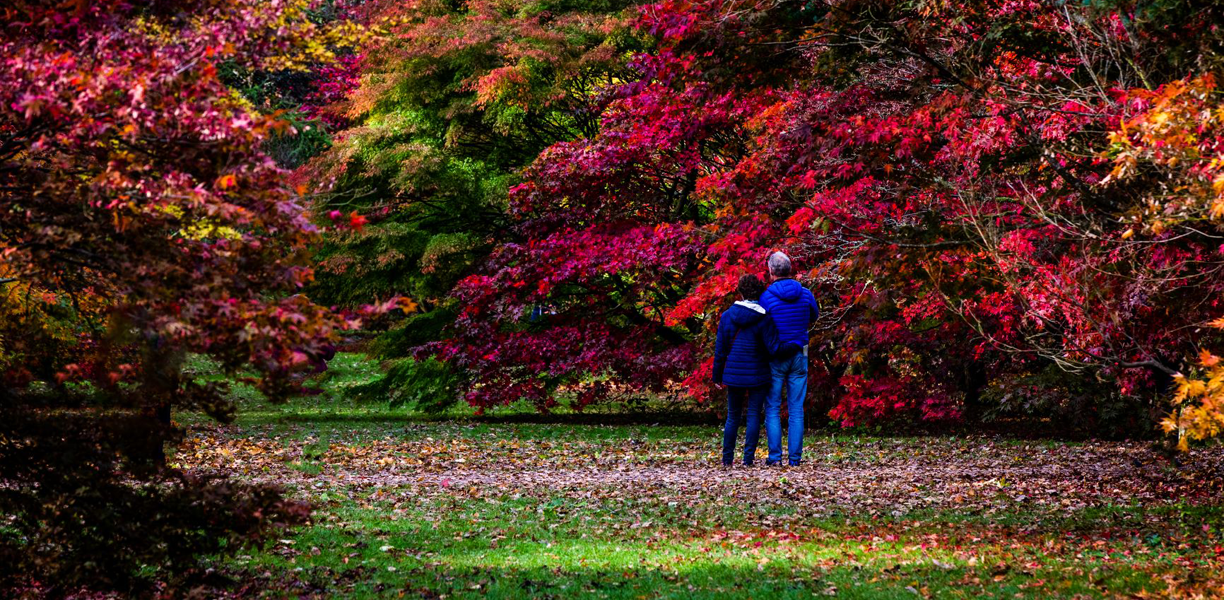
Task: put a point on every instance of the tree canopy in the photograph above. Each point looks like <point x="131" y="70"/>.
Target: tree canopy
<point x="981" y="195"/>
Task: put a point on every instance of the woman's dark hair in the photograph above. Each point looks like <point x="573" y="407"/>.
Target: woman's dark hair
<point x="750" y="287"/>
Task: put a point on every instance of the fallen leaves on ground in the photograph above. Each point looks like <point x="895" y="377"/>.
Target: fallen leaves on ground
<point x="1038" y="515"/>
<point x="878" y="477"/>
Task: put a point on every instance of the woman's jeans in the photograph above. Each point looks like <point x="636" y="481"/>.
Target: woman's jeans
<point x="736" y="398"/>
<point x="790" y="374"/>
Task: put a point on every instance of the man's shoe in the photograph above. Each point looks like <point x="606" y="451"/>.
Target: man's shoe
<point x="772" y="463"/>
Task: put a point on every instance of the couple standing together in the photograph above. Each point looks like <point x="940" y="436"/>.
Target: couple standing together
<point x="760" y="353"/>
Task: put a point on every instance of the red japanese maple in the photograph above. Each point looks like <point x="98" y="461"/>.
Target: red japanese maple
<point x="134" y="188"/>
<point x="938" y="172"/>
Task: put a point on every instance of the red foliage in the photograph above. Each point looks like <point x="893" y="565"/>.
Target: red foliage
<point x="133" y="183"/>
<point x="945" y="196"/>
<point x="328" y="102"/>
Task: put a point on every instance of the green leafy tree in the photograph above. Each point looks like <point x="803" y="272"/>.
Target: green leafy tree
<point x="452" y="102"/>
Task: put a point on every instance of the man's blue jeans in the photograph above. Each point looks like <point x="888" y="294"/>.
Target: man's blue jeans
<point x="791" y="374"/>
<point x="736" y="397"/>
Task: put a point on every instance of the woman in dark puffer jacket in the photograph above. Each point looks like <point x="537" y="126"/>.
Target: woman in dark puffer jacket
<point x="746" y="338"/>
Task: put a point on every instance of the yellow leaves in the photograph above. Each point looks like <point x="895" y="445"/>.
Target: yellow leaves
<point x="1196" y="422"/>
<point x="1175" y="138"/>
<point x="1168" y="424"/>
<point x="1218" y="323"/>
<point x="309" y="44"/>
<point x="226" y="182"/>
<point x="120" y="221"/>
<point x="33" y="312"/>
<point x="1215" y="382"/>
<point x="203" y="229"/>
<point x="1198" y="412"/>
<point x="1188" y="389"/>
<point x="407" y="305"/>
<point x="195" y="228"/>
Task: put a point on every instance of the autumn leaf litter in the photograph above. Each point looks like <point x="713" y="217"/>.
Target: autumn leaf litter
<point x="886" y="477"/>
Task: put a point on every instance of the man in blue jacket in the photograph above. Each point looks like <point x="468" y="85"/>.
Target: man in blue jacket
<point x="746" y="338"/>
<point x="793" y="309"/>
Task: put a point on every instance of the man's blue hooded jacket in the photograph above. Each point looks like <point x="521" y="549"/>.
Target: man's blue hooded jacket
<point x="793" y="308"/>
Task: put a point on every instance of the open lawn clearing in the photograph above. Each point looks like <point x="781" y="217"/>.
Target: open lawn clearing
<point x="461" y="508"/>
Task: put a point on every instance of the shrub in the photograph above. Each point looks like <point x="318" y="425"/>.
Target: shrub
<point x="427" y="385"/>
<point x="89" y="505"/>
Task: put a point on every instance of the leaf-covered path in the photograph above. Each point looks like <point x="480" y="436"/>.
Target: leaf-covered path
<point x="618" y="511"/>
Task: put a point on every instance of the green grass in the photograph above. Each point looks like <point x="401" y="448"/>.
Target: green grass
<point x="530" y="547"/>
<point x="404" y="529"/>
<point x="331" y="413"/>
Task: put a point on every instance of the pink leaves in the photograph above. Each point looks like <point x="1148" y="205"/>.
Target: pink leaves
<point x="808" y="181"/>
<point x="799" y="222"/>
<point x="868" y="400"/>
<point x="355" y="221"/>
<point x="706" y="299"/>
<point x="329" y="102"/>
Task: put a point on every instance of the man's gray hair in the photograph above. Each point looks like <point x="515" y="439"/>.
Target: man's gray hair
<point x="779" y="265"/>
